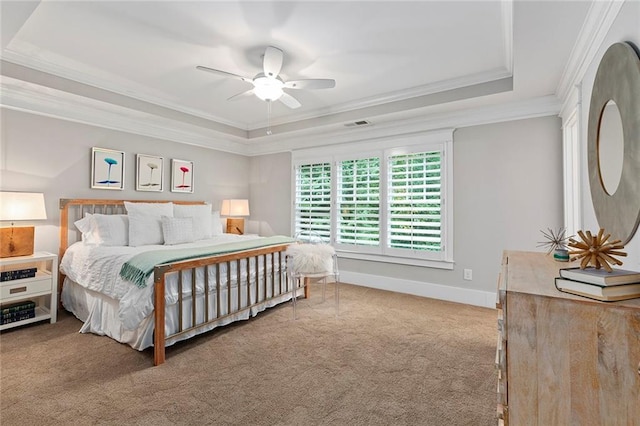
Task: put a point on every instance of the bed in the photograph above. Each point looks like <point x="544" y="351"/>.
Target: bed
<point x="121" y="281"/>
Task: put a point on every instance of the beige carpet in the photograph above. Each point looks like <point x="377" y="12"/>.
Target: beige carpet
<point x="389" y="359"/>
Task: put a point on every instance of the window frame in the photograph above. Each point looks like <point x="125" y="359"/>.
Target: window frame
<point x="383" y="148"/>
<point x="408" y="253"/>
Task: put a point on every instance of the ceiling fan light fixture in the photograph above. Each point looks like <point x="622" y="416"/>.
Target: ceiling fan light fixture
<point x="267" y="88"/>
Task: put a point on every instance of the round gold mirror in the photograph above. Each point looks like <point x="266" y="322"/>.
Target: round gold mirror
<point x="613" y="142"/>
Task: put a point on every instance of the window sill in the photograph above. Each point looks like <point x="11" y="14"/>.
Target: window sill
<point x="439" y="264"/>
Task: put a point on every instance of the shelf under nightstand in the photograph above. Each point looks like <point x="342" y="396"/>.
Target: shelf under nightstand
<point x="41" y="288"/>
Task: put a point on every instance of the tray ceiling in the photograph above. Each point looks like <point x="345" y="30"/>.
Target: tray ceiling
<point x="389" y="59"/>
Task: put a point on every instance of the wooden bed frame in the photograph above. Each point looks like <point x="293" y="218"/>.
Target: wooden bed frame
<point x="74" y="209"/>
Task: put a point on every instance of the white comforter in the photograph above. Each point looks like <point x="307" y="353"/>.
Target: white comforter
<point x="97" y="268"/>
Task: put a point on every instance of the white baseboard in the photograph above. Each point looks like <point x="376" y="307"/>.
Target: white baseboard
<point x="467" y="296"/>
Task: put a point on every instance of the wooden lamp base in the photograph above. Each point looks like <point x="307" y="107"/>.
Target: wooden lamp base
<point x="235" y="226"/>
<point x="16" y="241"/>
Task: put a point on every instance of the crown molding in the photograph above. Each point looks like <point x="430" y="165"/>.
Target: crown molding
<point x="63" y="68"/>
<point x="35" y="99"/>
<point x="337" y="134"/>
<point x="98" y="79"/>
<point x="507" y="34"/>
<point x="403" y="107"/>
<point x="597" y="24"/>
<point x="498" y="74"/>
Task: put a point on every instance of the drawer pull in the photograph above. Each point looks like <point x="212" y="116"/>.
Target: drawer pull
<point x="17" y="290"/>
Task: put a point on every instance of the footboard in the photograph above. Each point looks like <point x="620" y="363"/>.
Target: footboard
<point x="259" y="276"/>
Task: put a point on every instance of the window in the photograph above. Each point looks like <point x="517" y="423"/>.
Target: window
<point x="414" y="201"/>
<point x="313" y="201"/>
<point x="387" y="204"/>
<point x="358" y="207"/>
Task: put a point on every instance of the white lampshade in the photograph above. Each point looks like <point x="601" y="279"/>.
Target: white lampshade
<point x="22" y="206"/>
<point x="234" y="208"/>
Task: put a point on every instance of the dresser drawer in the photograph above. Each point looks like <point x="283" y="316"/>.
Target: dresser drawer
<point x="25" y="287"/>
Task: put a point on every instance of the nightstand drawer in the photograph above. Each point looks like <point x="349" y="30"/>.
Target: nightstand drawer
<point x="26" y="287"/>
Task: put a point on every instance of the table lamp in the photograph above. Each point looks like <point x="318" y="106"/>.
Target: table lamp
<point x="235" y="208"/>
<point x="14" y="206"/>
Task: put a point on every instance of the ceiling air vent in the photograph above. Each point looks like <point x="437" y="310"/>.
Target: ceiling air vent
<point x="358" y="123"/>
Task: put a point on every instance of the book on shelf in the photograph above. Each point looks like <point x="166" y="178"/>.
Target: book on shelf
<point x="17" y="307"/>
<point x="18" y="274"/>
<point x="23" y="316"/>
<point x="604" y="293"/>
<point x="21" y="313"/>
<point x="601" y="276"/>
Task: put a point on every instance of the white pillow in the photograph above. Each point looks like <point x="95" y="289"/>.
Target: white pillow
<point x="112" y="230"/>
<point x="149" y="209"/>
<point x="177" y="230"/>
<point x="200" y="214"/>
<point x="216" y="224"/>
<point x="101" y="229"/>
<point x="86" y="226"/>
<point x="145" y="226"/>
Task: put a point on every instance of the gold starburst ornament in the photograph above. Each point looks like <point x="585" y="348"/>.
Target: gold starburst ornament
<point x="596" y="250"/>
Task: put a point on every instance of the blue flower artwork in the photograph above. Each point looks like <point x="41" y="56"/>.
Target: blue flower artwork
<point x="108" y="181"/>
<point x="107" y="169"/>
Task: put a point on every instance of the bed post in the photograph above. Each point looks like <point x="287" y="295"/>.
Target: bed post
<point x="64" y="243"/>
<point x="158" y="309"/>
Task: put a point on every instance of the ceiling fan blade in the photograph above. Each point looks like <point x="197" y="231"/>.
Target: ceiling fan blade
<point x="223" y="73"/>
<point x="241" y="95"/>
<point x="313" y="83"/>
<point x="272" y="62"/>
<point x="290" y="101"/>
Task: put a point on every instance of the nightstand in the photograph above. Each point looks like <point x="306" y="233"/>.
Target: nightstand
<point x="41" y="289"/>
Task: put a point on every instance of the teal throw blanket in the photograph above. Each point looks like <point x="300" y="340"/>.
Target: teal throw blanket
<point x="139" y="267"/>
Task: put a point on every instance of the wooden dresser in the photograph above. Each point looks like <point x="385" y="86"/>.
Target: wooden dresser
<point x="563" y="359"/>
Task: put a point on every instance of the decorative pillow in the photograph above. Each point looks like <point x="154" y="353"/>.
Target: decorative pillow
<point x="177" y="230"/>
<point x="311" y="258"/>
<point x="86" y="227"/>
<point x="145" y="226"/>
<point x="112" y="230"/>
<point x="216" y="224"/>
<point x="202" y="226"/>
<point x="101" y="229"/>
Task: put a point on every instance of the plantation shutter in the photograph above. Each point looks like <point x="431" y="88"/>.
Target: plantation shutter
<point x="414" y="201"/>
<point x="313" y="201"/>
<point x="358" y="195"/>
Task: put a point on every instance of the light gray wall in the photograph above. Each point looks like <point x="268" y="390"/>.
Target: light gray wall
<point x="626" y="27"/>
<point x="42" y="154"/>
<point x="507" y="187"/>
<point x="270" y="182"/>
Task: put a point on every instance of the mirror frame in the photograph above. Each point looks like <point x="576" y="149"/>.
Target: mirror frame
<point x="617" y="79"/>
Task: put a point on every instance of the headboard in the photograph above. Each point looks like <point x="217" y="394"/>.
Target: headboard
<point x="74" y="209"/>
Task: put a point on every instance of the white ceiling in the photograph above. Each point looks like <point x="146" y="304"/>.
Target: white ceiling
<point x="390" y="59"/>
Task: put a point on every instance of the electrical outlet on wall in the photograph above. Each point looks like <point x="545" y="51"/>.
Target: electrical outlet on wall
<point x="467" y="274"/>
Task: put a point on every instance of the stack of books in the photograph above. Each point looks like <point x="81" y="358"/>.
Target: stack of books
<point x="17" y="311"/>
<point x="599" y="284"/>
<point x="18" y="274"/>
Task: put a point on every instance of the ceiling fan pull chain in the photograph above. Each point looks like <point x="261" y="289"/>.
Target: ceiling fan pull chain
<point x="268" y="117"/>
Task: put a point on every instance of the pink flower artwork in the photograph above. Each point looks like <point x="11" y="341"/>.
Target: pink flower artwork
<point x="182" y="176"/>
<point x="184" y="170"/>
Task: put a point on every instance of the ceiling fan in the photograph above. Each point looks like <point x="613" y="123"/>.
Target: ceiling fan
<point x="268" y="86"/>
